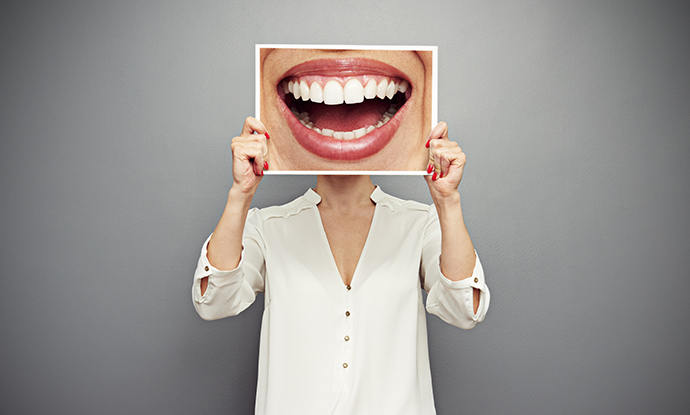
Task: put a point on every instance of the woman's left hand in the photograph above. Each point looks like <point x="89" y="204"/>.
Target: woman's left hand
<point x="446" y="162"/>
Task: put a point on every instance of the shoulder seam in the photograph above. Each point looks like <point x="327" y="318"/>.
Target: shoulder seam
<point x="286" y="210"/>
<point x="393" y="202"/>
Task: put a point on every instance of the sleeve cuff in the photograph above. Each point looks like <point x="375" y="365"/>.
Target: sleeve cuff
<point x="476" y="280"/>
<point x="204" y="269"/>
<point x="453" y="301"/>
<point x="209" y="269"/>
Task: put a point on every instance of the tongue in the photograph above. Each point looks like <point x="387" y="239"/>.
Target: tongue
<point x="346" y="117"/>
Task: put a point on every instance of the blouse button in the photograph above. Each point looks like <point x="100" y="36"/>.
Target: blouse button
<point x="476" y="279"/>
<point x="348" y="287"/>
<point x="347" y="338"/>
<point x="345" y="365"/>
<point x="206" y="268"/>
<point x="347" y="314"/>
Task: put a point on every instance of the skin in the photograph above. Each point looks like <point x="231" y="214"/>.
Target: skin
<point x="346" y="213"/>
<point x="347" y="197"/>
<point x="405" y="151"/>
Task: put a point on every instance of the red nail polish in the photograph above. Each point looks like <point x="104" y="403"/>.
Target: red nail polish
<point x="427" y="143"/>
<point x="434" y="176"/>
<point x="267" y="136"/>
<point x="265" y="165"/>
<point x="430" y="168"/>
<point x="441" y="176"/>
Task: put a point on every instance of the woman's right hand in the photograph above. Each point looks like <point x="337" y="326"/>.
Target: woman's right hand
<point x="249" y="153"/>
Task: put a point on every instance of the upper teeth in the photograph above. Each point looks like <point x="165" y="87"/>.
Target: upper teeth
<point x="350" y="90"/>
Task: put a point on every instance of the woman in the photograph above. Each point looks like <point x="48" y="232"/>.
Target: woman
<point x="342" y="267"/>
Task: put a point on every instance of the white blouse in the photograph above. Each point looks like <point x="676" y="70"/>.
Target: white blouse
<point x="327" y="348"/>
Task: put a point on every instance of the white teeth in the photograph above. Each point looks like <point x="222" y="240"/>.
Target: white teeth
<point x="327" y="132"/>
<point x="295" y="90"/>
<point x="360" y="132"/>
<point x="332" y="93"/>
<point x="353" y="92"/>
<point x="370" y="89"/>
<point x="304" y="91"/>
<point x="391" y="90"/>
<point x="381" y="89"/>
<point x="315" y="92"/>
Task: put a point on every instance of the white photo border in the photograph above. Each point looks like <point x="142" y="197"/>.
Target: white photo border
<point x="434" y="100"/>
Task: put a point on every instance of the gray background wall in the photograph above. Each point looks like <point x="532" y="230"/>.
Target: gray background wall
<point x="116" y="122"/>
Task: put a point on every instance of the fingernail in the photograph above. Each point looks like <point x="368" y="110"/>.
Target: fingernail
<point x="427" y="143"/>
<point x="434" y="176"/>
<point x="441" y="176"/>
<point x="265" y="165"/>
<point x="267" y="136"/>
<point x="430" y="168"/>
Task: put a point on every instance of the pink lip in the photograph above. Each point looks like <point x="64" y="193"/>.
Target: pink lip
<point x="343" y="67"/>
<point x="331" y="148"/>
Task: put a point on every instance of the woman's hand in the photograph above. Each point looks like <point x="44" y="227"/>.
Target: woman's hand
<point x="446" y="161"/>
<point x="249" y="153"/>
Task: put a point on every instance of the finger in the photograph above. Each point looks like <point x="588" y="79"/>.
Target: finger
<point x="440" y="131"/>
<point x="261" y="162"/>
<point x="436" y="147"/>
<point x="251" y="150"/>
<point x="431" y="145"/>
<point x="258" y="158"/>
<point x="443" y="154"/>
<point x="252" y="125"/>
<point x="254" y="143"/>
<point x="443" y="161"/>
<point x="258" y="166"/>
<point x="435" y="161"/>
<point x="440" y="162"/>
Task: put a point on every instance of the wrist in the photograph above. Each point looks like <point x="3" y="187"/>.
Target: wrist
<point x="444" y="200"/>
<point x="239" y="196"/>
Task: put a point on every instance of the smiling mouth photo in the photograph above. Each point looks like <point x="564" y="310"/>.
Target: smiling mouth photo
<point x="343" y="109"/>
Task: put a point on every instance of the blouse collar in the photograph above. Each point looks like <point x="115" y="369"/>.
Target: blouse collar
<point x="314" y="198"/>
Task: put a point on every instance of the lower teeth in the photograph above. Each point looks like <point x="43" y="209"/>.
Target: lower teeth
<point x="303" y="118"/>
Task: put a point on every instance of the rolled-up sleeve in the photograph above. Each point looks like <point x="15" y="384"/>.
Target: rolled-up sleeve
<point x="230" y="292"/>
<point x="452" y="301"/>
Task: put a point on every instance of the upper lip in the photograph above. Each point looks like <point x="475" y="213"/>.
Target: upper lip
<point x="343" y="67"/>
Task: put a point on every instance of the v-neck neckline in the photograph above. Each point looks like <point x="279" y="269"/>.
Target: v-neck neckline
<point x="324" y="237"/>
